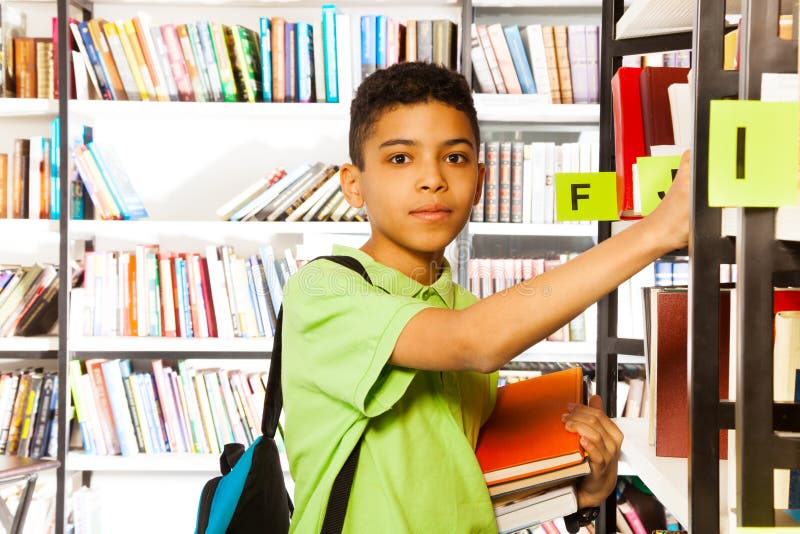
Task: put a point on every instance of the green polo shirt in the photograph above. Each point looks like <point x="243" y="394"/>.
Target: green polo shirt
<point x="417" y="470"/>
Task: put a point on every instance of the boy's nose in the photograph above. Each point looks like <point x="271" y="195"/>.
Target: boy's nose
<point x="432" y="180"/>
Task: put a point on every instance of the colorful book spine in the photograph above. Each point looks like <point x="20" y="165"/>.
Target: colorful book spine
<point x="329" y="53"/>
<point x="265" y="39"/>
<point x="380" y="41"/>
<point x="504" y="186"/>
<point x="368" y="45"/>
<point x="305" y="62"/>
<point x="519" y="57"/>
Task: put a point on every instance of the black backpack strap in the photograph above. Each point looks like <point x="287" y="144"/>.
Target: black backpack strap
<point x="273" y="403"/>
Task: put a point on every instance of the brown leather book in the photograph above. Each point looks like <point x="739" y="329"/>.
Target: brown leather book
<point x="672" y="407"/>
<point x="277" y="42"/>
<point x="3" y="186"/>
<point x="562" y="59"/>
<point x="552" y="63"/>
<point x="45" y="87"/>
<point x="656" y="116"/>
<point x="25" y="66"/>
<point x="445" y="35"/>
<point x="19" y="178"/>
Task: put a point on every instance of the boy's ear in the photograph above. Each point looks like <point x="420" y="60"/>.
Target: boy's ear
<point x="479" y="187"/>
<point x="350" y="180"/>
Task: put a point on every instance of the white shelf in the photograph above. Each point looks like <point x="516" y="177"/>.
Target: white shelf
<point x="165" y="462"/>
<point x="656" y="17"/>
<point x="28" y="107"/>
<point x="250" y="230"/>
<point x="532" y="108"/>
<point x="565" y="352"/>
<point x="179" y="111"/>
<point x="538" y="3"/>
<point x="280" y="3"/>
<point x="667" y="478"/>
<point x="30" y="228"/>
<point x="558" y="229"/>
<point x="169" y="344"/>
<point x="787" y="223"/>
<point x="28" y="344"/>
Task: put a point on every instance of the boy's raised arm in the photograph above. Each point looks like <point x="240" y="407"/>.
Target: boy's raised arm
<point x="487" y="335"/>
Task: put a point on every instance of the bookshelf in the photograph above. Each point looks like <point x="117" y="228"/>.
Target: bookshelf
<point x="207" y="464"/>
<point x="28" y="107"/>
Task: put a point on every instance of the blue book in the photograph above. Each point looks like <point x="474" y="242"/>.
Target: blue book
<point x="119" y="407"/>
<point x="274" y="287"/>
<point x="368" y="58"/>
<point x="106" y="90"/>
<point x="663" y="272"/>
<point x="184" y="288"/>
<point x="305" y="62"/>
<point x="290" y="67"/>
<point x="128" y="202"/>
<point x="252" y="292"/>
<point x="520" y="59"/>
<point x="331" y="67"/>
<point x="155" y="425"/>
<point x="55" y="160"/>
<point x="380" y="42"/>
<point x="265" y="36"/>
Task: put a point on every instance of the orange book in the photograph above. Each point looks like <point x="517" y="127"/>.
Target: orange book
<point x="525" y="436"/>
<point x="133" y="318"/>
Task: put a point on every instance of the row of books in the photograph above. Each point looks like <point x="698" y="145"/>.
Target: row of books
<point x="561" y="62"/>
<point x="487" y="276"/>
<point x="519" y="185"/>
<point x="149" y="292"/>
<point x="28" y="423"/>
<point x="386" y="41"/>
<point x="106" y="182"/>
<point x="28" y="299"/>
<point x="309" y="192"/>
<point x="208" y="61"/>
<point x="122" y="411"/>
<point x="678" y="58"/>
<point x="29" y="178"/>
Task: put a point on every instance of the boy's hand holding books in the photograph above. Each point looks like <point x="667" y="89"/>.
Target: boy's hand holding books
<point x="601" y="439"/>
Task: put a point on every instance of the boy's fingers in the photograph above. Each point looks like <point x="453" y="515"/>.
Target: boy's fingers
<point x="594" y="440"/>
<point x="597" y="418"/>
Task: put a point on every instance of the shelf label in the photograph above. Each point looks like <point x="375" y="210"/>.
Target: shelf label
<point x="752" y="154"/>
<point x="655" y="178"/>
<point x="586" y="196"/>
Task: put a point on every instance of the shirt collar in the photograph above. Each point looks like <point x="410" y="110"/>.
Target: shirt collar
<point x="396" y="283"/>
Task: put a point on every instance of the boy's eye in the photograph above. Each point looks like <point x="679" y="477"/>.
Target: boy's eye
<point x="456" y="158"/>
<point x="399" y="159"/>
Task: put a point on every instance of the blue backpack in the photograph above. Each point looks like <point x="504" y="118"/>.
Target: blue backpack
<point x="251" y="496"/>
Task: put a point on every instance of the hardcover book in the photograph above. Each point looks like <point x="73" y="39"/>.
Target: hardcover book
<point x="525" y="435"/>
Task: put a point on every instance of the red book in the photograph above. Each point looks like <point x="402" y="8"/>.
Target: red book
<point x="672" y="407"/>
<point x="525" y="435"/>
<point x="211" y="318"/>
<point x="656" y="116"/>
<point x="628" y="133"/>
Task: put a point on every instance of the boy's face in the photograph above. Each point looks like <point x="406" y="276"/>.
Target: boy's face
<point x="420" y="176"/>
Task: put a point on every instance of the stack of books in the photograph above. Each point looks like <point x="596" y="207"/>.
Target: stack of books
<point x="310" y="192"/>
<point x="559" y="62"/>
<point x="28" y="299"/>
<point x="106" y="182"/>
<point x="529" y="460"/>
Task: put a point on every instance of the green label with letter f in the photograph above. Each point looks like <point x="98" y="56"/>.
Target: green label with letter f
<point x="586" y="196"/>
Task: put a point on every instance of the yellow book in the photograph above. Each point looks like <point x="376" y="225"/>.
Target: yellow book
<point x="729" y="45"/>
<point x="128" y="49"/>
<point x="102" y="187"/>
<point x="129" y="31"/>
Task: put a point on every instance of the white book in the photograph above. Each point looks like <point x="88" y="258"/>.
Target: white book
<point x="479" y="64"/>
<point x="534" y="44"/>
<point x="273" y="281"/>
<point x="92" y="415"/>
<point x="297" y="190"/>
<point x="681" y="110"/>
<point x="289" y="255"/>
<point x="779" y="87"/>
<point x="225" y="211"/>
<point x="321" y="202"/>
<point x="119" y="408"/>
<point x="344" y="58"/>
<point x="549" y="183"/>
<point x="527" y="184"/>
<point x="247" y="314"/>
<point x="539" y="179"/>
<point x="656" y="17"/>
<point x="81" y="73"/>
<point x="541" y="507"/>
<point x="219" y="298"/>
<point x="584" y="157"/>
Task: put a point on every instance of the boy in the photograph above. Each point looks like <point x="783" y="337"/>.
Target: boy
<point x="410" y="361"/>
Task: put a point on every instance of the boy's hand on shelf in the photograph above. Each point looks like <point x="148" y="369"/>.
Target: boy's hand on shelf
<point x="672" y="214"/>
<point x="601" y="439"/>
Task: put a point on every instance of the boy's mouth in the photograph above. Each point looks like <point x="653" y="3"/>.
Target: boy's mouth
<point x="432" y="212"/>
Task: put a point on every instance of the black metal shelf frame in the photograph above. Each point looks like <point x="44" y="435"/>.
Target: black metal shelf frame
<point x="759" y="257"/>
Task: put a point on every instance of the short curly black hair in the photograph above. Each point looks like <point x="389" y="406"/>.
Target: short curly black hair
<point x="405" y="83"/>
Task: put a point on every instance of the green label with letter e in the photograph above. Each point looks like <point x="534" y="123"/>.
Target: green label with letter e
<point x="655" y="178"/>
<point x="752" y="154"/>
<point x="586" y="196"/>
